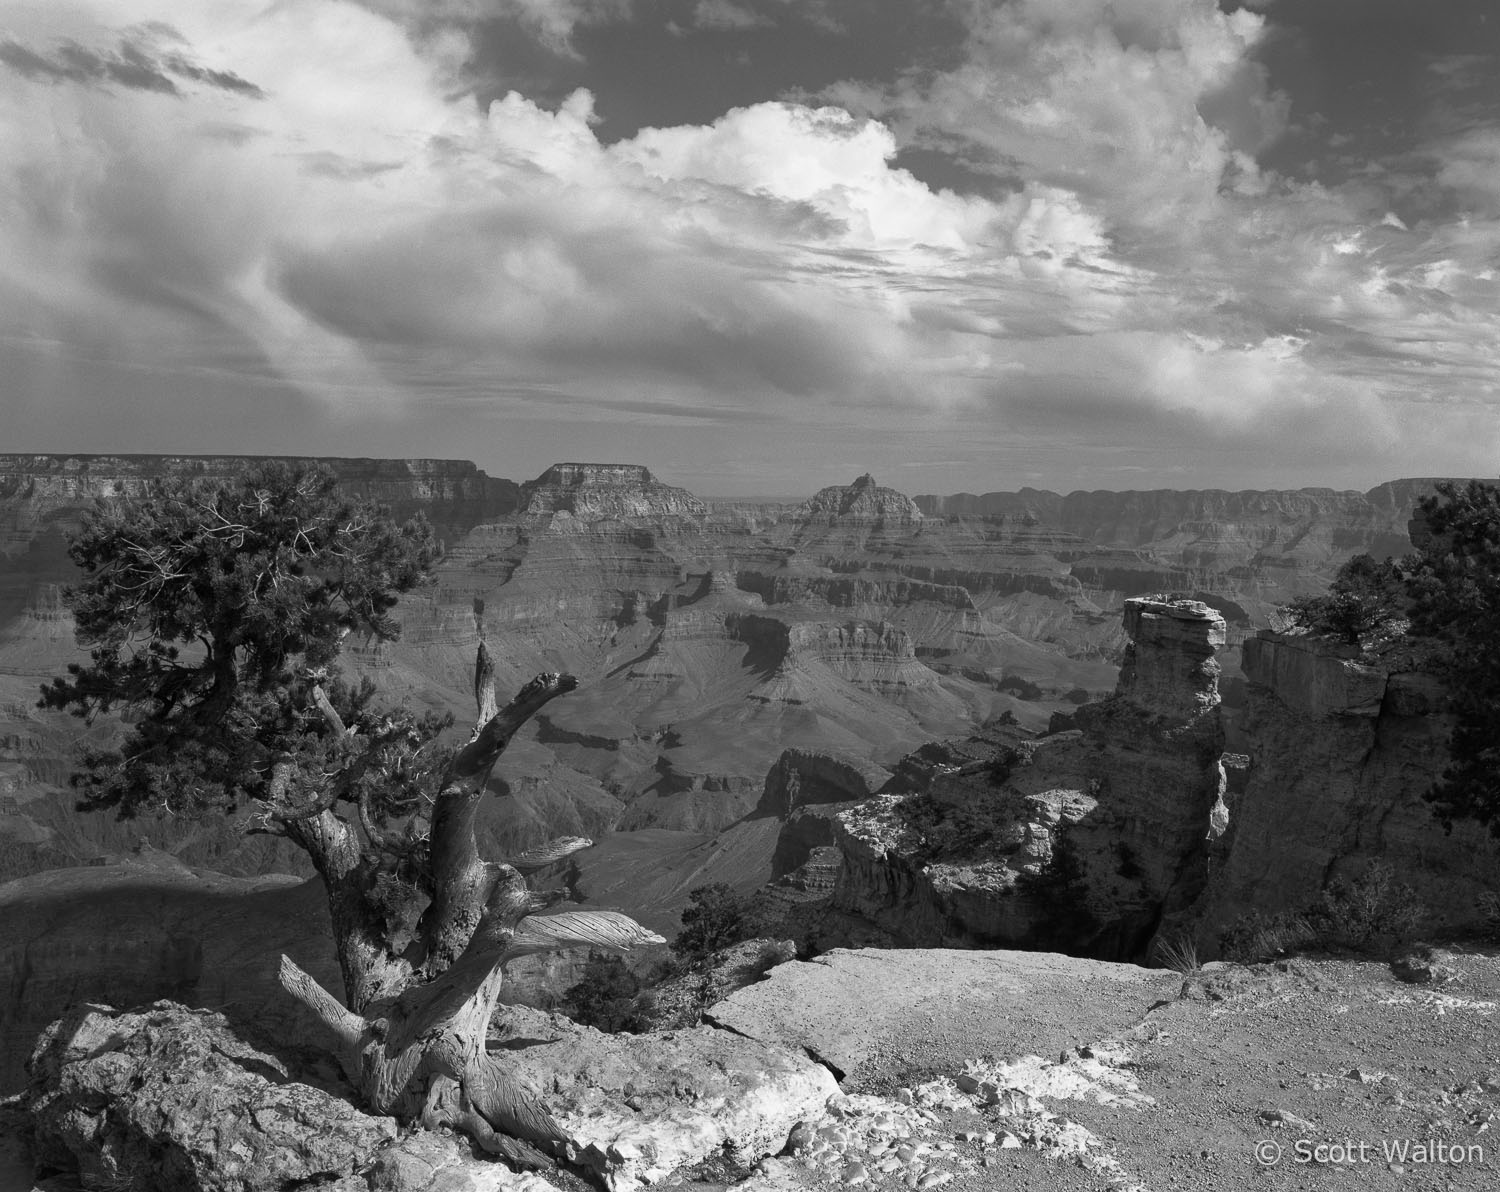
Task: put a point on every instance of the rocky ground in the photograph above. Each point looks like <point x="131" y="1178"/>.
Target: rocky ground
<point x="1044" y="1072"/>
<point x="1299" y="1074"/>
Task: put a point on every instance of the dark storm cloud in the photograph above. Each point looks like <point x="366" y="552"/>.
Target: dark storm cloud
<point x="132" y="66"/>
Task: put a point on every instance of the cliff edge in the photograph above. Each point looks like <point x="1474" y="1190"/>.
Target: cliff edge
<point x="1342" y="753"/>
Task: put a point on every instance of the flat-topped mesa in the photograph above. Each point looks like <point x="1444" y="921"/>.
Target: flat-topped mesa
<point x="862" y="501"/>
<point x="38" y="490"/>
<point x="607" y="491"/>
<point x="1170" y="669"/>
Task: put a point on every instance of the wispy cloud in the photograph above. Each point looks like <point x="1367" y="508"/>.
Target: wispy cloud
<point x="326" y="205"/>
<point x="131" y="65"/>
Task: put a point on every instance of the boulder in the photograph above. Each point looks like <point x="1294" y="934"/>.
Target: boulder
<point x="172" y="1099"/>
<point x="655" y="1103"/>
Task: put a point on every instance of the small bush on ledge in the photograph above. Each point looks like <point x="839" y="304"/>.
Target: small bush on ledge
<point x="1374" y="914"/>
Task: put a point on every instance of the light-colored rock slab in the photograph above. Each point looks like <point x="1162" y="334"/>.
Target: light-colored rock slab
<point x="655" y="1103"/>
<point x="938" y="1007"/>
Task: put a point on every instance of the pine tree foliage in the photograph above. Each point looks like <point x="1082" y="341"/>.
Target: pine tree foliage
<point x="212" y="613"/>
<point x="1365" y="606"/>
<point x="714" y="919"/>
<point x="1455" y="589"/>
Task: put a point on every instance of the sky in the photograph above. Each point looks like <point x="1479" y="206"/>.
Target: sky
<point x="761" y="246"/>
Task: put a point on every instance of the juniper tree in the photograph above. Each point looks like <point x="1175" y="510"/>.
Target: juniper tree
<point x="1454" y="585"/>
<point x="215" y="615"/>
<point x="1441" y="601"/>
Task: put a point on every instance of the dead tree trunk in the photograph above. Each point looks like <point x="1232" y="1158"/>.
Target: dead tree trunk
<point x="412" y="1038"/>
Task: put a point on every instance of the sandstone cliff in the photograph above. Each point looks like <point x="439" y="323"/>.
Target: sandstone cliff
<point x="40" y="491"/>
<point x="1341" y="753"/>
<point x="1081" y="840"/>
<point x="1228" y="542"/>
<point x="862" y="501"/>
<point x="805" y="790"/>
<point x="1130" y="823"/>
<point x="607" y="490"/>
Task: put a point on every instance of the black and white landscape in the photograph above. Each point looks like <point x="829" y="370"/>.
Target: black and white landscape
<point x="949" y="523"/>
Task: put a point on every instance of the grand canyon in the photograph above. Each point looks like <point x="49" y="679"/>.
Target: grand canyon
<point x="1019" y="720"/>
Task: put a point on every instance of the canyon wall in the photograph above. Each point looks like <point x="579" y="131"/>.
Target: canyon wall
<point x="709" y="640"/>
<point x="862" y="501"/>
<point x="607" y="490"/>
<point x="1256" y="549"/>
<point x="1342" y="752"/>
<point x="1203" y="534"/>
<point x="41" y="491"/>
<point x="1081" y="840"/>
<point x="1131" y="821"/>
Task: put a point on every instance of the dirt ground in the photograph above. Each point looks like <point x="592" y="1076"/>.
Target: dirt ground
<point x="1302" y="1074"/>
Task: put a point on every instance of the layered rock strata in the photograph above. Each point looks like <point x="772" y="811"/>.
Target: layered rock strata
<point x="1213" y="529"/>
<point x="862" y="501"/>
<point x="37" y="491"/>
<point x="607" y="490"/>
<point x="1081" y="840"/>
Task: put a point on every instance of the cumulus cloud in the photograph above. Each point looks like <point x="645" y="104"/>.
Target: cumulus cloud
<point x="304" y="197"/>
<point x="1100" y="97"/>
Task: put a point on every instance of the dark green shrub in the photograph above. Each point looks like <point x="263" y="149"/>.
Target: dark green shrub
<point x="606" y="997"/>
<point x="1365" y="606"/>
<point x="714" y="919"/>
<point x="1371" y="913"/>
<point x="1372" y="907"/>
